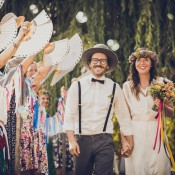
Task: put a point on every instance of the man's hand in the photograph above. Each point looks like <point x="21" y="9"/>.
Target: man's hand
<point x="126" y="149"/>
<point x="74" y="148"/>
<point x="127" y="145"/>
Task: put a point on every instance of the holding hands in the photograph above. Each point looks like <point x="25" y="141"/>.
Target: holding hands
<point x="127" y="145"/>
<point x="126" y="149"/>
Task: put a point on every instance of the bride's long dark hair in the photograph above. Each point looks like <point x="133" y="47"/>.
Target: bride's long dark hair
<point x="135" y="79"/>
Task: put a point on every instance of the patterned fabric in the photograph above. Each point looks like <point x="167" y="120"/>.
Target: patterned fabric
<point x="27" y="144"/>
<point x="11" y="134"/>
<point x="58" y="152"/>
<point x="33" y="147"/>
<point x="41" y="152"/>
<point x="33" y="143"/>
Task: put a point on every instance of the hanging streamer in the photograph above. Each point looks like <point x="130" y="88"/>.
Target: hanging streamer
<point x="161" y="132"/>
<point x="35" y="118"/>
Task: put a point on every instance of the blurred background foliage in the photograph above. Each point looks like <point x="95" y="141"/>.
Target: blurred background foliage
<point x="133" y="24"/>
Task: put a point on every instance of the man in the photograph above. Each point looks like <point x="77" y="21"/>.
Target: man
<point x="89" y="109"/>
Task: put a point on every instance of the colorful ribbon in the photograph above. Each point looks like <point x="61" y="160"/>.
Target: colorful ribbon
<point x="161" y="132"/>
<point x="35" y="118"/>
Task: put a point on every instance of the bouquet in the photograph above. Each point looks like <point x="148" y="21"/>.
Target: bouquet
<point x="162" y="88"/>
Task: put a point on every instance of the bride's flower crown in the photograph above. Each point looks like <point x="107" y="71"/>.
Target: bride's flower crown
<point x="143" y="53"/>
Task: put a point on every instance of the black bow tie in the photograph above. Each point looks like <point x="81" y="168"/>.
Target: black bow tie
<point x="95" y="80"/>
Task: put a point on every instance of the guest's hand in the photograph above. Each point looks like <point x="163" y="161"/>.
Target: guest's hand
<point x="49" y="48"/>
<point x="24" y="30"/>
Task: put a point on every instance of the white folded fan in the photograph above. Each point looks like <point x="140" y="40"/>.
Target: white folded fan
<point x="58" y="53"/>
<point x="1" y="3"/>
<point x="74" y="54"/>
<point x="8" y="32"/>
<point x="40" y="34"/>
<point x="58" y="75"/>
<point x="49" y="73"/>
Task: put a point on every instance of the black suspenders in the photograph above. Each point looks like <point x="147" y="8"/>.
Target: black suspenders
<point x="109" y="110"/>
<point x="79" y="105"/>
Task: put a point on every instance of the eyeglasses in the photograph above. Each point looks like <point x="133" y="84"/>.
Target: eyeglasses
<point x="96" y="60"/>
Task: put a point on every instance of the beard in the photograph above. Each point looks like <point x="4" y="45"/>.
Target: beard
<point x="100" y="72"/>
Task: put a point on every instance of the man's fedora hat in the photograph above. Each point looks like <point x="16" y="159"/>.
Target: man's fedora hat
<point x="100" y="48"/>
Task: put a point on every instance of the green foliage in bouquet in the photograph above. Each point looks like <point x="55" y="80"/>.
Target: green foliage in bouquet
<point x="163" y="89"/>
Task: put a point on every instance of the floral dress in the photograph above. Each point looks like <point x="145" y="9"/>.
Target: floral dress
<point x="33" y="153"/>
<point x="61" y="154"/>
<point x="40" y="143"/>
<point x="27" y="153"/>
<point x="11" y="134"/>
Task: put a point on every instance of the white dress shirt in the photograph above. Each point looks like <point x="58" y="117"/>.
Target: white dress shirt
<point x="95" y="102"/>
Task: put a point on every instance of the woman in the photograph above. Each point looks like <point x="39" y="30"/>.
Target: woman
<point x="57" y="141"/>
<point x="12" y="81"/>
<point x="144" y="160"/>
<point x="31" y="70"/>
<point x="10" y="51"/>
<point x="63" y="160"/>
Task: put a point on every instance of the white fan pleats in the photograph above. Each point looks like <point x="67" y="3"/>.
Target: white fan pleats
<point x="74" y="54"/>
<point x="42" y="32"/>
<point x="58" y="75"/>
<point x="61" y="49"/>
<point x="8" y="32"/>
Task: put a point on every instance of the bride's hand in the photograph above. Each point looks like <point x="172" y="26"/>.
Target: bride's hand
<point x="126" y="149"/>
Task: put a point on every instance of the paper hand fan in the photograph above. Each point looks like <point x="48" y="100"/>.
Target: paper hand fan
<point x="1" y="3"/>
<point x="74" y="54"/>
<point x="19" y="20"/>
<point x="8" y="32"/>
<point x="38" y="37"/>
<point x="58" y="75"/>
<point x="41" y="18"/>
<point x="49" y="73"/>
<point x="58" y="53"/>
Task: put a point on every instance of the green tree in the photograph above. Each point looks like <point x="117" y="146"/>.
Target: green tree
<point x="144" y="23"/>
